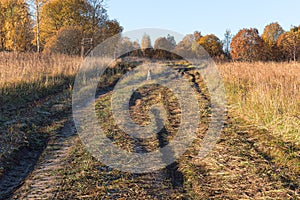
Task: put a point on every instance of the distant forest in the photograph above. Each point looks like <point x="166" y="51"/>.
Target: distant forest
<point x="73" y="27"/>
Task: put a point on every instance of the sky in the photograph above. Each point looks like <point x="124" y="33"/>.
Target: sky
<point x="210" y="16"/>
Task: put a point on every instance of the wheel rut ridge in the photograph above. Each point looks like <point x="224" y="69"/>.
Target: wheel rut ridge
<point x="167" y="183"/>
<point x="15" y="176"/>
<point x="43" y="183"/>
<point x="22" y="161"/>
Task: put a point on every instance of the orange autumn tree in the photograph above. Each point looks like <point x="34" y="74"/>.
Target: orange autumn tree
<point x="247" y="45"/>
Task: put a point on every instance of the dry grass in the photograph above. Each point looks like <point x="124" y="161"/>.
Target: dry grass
<point x="246" y="163"/>
<point x="25" y="77"/>
<point x="266" y="94"/>
<point x="32" y="86"/>
<point x="27" y="67"/>
<point x="245" y="159"/>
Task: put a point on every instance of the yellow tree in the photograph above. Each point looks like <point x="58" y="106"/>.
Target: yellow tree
<point x="2" y="35"/>
<point x="36" y="7"/>
<point x="87" y="15"/>
<point x="66" y="41"/>
<point x="289" y="44"/>
<point x="212" y="44"/>
<point x="56" y="14"/>
<point x="270" y="37"/>
<point x="17" y="25"/>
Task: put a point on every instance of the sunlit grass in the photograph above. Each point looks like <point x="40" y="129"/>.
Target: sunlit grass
<point x="26" y="76"/>
<point x="266" y="94"/>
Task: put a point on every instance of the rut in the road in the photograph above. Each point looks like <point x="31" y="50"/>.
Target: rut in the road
<point x="15" y="176"/>
<point x="42" y="183"/>
<point x="167" y="183"/>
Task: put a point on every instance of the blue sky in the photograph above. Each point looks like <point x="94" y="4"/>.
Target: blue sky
<point x="206" y="16"/>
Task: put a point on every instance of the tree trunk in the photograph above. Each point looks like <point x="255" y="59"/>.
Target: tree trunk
<point x="294" y="51"/>
<point x="38" y="26"/>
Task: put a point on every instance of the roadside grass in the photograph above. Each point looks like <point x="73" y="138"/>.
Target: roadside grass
<point x="35" y="90"/>
<point x="242" y="166"/>
<point x="26" y="77"/>
<point x="266" y="94"/>
<point x="27" y="129"/>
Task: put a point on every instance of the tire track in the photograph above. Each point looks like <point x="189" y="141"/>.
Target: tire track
<point x="43" y="183"/>
<point x="167" y="183"/>
<point x="15" y="176"/>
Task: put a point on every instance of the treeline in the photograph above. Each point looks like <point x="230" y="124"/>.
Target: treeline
<point x="53" y="25"/>
<point x="73" y="26"/>
<point x="275" y="44"/>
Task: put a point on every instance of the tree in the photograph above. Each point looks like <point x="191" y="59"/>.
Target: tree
<point x="137" y="49"/>
<point x="38" y="4"/>
<point x="184" y="47"/>
<point x="57" y="14"/>
<point x="97" y="14"/>
<point x="289" y="44"/>
<point x="270" y="37"/>
<point x="163" y="46"/>
<point x="212" y="45"/>
<point x="146" y="42"/>
<point x="163" y="43"/>
<point x="125" y="45"/>
<point x="108" y="29"/>
<point x="36" y="7"/>
<point x="66" y="41"/>
<point x="87" y="15"/>
<point x="271" y="33"/>
<point x="146" y="46"/>
<point x="16" y="30"/>
<point x="295" y="35"/>
<point x="247" y="45"/>
<point x="197" y="36"/>
<point x="226" y="42"/>
<point x="172" y="41"/>
<point x="98" y="26"/>
<point x="2" y="21"/>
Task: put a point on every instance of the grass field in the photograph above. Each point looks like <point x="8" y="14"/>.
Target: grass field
<point x="266" y="94"/>
<point x="34" y="93"/>
<point x="260" y="145"/>
<point x="25" y="76"/>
